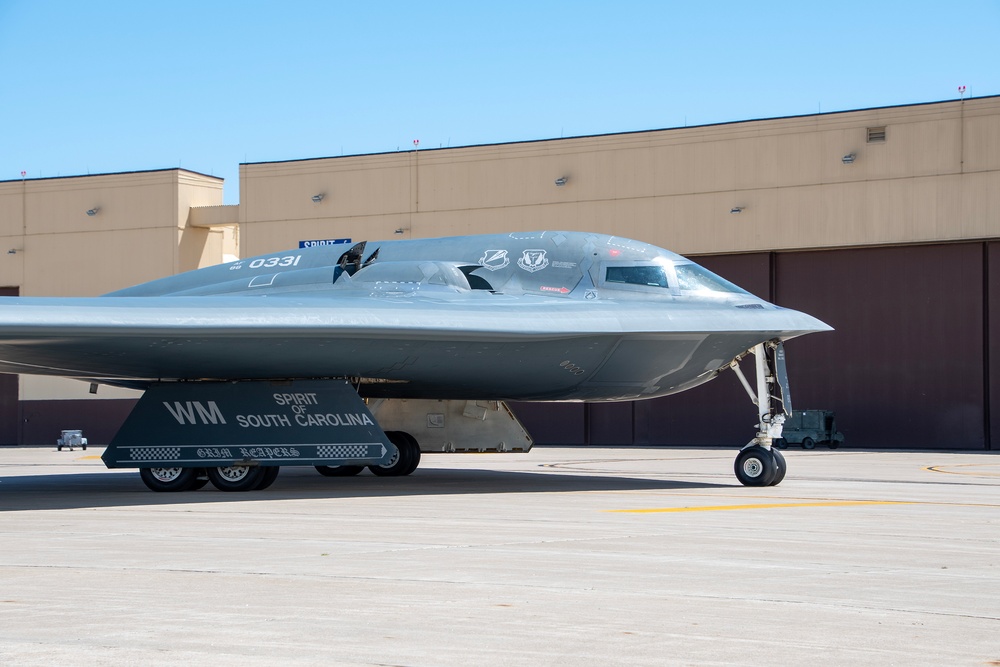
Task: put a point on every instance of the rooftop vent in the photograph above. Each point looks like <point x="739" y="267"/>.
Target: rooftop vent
<point x="876" y="134"/>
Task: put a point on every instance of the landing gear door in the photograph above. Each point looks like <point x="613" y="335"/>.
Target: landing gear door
<point x="781" y="375"/>
<point x="210" y="424"/>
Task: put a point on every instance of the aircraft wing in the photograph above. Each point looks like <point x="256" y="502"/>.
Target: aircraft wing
<point x="491" y="346"/>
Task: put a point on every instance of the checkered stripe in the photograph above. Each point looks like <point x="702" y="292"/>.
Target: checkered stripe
<point x="342" y="451"/>
<point x="154" y="453"/>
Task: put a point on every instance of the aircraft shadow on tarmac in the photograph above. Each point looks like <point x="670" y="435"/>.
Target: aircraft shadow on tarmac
<point x="101" y="489"/>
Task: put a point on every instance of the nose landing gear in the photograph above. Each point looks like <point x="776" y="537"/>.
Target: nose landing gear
<point x="759" y="463"/>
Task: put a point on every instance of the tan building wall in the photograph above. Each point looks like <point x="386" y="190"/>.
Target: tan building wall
<point x="935" y="177"/>
<point x="139" y="231"/>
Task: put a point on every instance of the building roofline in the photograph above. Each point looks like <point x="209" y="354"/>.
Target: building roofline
<point x="113" y="173"/>
<point x="627" y="133"/>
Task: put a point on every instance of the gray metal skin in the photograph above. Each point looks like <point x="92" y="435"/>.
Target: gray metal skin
<point x="541" y="316"/>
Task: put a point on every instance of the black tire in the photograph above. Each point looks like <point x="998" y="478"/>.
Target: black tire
<point x="779" y="443"/>
<point x="779" y="467"/>
<point x="755" y="466"/>
<point x="235" y="478"/>
<point x="339" y="471"/>
<point x="808" y="443"/>
<point x="414" y="452"/>
<point x="169" y="480"/>
<point x="267" y="479"/>
<point x="400" y="462"/>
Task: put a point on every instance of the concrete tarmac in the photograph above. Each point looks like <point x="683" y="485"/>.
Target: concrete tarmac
<point x="563" y="556"/>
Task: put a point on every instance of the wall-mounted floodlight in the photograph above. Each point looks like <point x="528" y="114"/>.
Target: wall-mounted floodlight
<point x="93" y="211"/>
<point x="318" y="198"/>
<point x="561" y="181"/>
<point x="737" y="209"/>
<point x="849" y="158"/>
<point x="399" y="230"/>
<point x="13" y="251"/>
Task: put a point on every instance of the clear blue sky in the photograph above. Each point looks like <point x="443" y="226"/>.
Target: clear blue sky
<point x="104" y="86"/>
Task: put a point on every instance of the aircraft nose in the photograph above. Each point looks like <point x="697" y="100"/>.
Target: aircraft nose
<point x="803" y="323"/>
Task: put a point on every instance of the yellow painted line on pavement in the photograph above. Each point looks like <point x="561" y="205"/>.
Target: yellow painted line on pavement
<point x="759" y="506"/>
<point x="974" y="473"/>
<point x="89" y="458"/>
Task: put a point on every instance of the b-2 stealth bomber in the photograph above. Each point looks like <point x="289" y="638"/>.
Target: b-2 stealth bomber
<point x="364" y="358"/>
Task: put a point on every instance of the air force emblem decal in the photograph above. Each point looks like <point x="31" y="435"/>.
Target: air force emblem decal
<point x="533" y="260"/>
<point x="494" y="260"/>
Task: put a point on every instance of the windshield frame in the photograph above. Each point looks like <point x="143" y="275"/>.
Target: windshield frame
<point x="661" y="263"/>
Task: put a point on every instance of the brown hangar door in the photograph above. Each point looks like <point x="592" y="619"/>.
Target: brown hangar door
<point x="8" y="394"/>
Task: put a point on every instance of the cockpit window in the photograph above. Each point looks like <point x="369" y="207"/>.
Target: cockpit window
<point x="637" y="275"/>
<point x="694" y="278"/>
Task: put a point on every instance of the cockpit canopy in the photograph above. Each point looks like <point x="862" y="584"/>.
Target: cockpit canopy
<point x="677" y="276"/>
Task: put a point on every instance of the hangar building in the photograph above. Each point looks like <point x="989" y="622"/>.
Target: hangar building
<point x="882" y="222"/>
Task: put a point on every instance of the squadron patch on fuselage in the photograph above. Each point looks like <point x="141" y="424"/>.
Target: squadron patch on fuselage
<point x="494" y="260"/>
<point x="533" y="260"/>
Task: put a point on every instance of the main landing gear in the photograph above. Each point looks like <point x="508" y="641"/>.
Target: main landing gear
<point x="760" y="463"/>
<point x="228" y="478"/>
<point x="169" y="479"/>
<point x="404" y="461"/>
